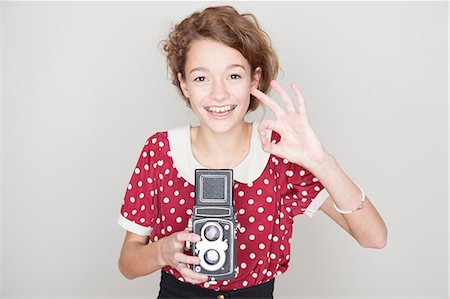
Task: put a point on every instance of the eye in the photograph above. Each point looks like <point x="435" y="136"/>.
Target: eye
<point x="200" y="79"/>
<point x="235" y="76"/>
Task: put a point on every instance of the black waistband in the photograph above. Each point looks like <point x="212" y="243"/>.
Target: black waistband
<point x="171" y="288"/>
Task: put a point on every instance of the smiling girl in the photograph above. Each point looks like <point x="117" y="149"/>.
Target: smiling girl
<point x="223" y="64"/>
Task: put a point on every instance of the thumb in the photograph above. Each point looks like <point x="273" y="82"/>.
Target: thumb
<point x="273" y="148"/>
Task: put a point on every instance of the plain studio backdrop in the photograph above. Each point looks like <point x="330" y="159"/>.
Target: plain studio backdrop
<point x="85" y="84"/>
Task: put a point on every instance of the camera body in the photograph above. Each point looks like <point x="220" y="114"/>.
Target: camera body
<point x="214" y="220"/>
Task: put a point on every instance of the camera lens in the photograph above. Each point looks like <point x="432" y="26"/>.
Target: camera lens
<point x="212" y="233"/>
<point x="211" y="257"/>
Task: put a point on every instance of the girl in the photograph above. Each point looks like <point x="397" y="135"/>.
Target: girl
<point x="223" y="64"/>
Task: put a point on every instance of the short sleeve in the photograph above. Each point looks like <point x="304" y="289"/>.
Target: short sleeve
<point x="301" y="192"/>
<point x="305" y="194"/>
<point x="139" y="207"/>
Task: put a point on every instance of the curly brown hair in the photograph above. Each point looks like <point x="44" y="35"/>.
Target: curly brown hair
<point x="225" y="25"/>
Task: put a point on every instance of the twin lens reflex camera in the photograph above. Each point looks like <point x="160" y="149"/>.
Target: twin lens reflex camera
<point x="214" y="220"/>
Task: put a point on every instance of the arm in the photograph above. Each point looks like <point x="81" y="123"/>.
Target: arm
<point x="365" y="225"/>
<point x="328" y="209"/>
<point x="139" y="257"/>
<point x="299" y="144"/>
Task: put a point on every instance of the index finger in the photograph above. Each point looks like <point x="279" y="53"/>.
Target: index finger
<point x="268" y="101"/>
<point x="185" y="235"/>
<point x="300" y="99"/>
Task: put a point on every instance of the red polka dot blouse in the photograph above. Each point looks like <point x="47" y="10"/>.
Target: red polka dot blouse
<point x="268" y="192"/>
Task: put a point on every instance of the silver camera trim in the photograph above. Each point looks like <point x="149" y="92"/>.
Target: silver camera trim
<point x="227" y="211"/>
<point x="219" y="245"/>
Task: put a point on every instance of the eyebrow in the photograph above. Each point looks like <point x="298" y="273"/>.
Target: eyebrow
<point x="204" y="69"/>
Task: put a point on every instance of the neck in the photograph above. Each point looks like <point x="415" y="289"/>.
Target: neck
<point x="221" y="150"/>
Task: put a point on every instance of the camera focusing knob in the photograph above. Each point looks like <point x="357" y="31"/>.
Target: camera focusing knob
<point x="188" y="244"/>
<point x="190" y="224"/>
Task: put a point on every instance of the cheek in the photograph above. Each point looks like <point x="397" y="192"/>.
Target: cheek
<point x="198" y="94"/>
<point x="240" y="87"/>
<point x="241" y="93"/>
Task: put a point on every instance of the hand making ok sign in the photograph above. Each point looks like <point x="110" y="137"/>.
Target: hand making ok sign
<point x="299" y="143"/>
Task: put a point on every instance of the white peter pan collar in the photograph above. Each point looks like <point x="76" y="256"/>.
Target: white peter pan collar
<point x="184" y="161"/>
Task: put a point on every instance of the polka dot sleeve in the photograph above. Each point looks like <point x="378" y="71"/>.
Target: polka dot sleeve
<point x="304" y="194"/>
<point x="301" y="191"/>
<point x="138" y="211"/>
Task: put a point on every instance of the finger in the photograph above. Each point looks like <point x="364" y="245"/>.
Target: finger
<point x="183" y="236"/>
<point x="268" y="102"/>
<point x="186" y="259"/>
<point x="192" y="276"/>
<point x="300" y="100"/>
<point x="274" y="149"/>
<point x="267" y="125"/>
<point x="263" y="128"/>
<point x="284" y="96"/>
<point x="194" y="281"/>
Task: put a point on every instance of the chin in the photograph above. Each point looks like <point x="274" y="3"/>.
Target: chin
<point x="220" y="126"/>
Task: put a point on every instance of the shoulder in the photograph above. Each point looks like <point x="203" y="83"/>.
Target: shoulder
<point x="154" y="144"/>
<point x="156" y="138"/>
<point x="164" y="142"/>
<point x="157" y="141"/>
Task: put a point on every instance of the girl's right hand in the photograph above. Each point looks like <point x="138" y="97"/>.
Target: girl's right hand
<point x="171" y="253"/>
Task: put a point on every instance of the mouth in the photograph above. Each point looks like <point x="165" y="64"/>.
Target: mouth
<point x="220" y="111"/>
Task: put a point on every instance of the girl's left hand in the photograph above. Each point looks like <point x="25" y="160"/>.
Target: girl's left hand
<point x="299" y="144"/>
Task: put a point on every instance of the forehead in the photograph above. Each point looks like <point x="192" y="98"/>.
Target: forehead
<point x="212" y="55"/>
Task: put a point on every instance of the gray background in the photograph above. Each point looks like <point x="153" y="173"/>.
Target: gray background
<point x="84" y="85"/>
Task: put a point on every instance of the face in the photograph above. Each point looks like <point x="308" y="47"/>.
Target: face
<point x="217" y="82"/>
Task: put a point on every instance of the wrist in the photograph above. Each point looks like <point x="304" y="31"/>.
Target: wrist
<point x="321" y="163"/>
<point x="160" y="253"/>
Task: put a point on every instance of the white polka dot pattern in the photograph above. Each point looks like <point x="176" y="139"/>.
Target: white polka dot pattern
<point x="264" y="209"/>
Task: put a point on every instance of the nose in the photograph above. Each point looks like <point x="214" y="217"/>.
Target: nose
<point x="219" y="91"/>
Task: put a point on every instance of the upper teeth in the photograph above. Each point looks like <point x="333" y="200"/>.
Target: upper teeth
<point x="220" y="109"/>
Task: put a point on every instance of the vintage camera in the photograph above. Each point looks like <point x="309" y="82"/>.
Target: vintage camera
<point x="214" y="220"/>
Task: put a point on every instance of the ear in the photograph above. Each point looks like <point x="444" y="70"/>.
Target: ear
<point x="256" y="77"/>
<point x="183" y="85"/>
